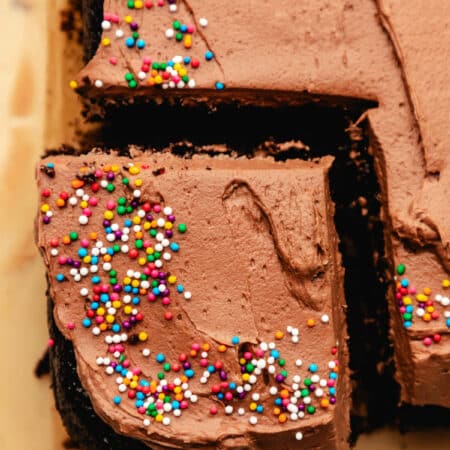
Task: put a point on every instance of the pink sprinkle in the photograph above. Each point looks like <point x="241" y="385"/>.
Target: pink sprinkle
<point x="204" y="362"/>
<point x="62" y="260"/>
<point x="141" y="410"/>
<point x="157" y="208"/>
<point x="98" y="173"/>
<point x="93" y="201"/>
<point x="191" y="29"/>
<point x="213" y="410"/>
<point x="228" y="396"/>
<point x="147" y="60"/>
<point x="165" y="301"/>
<point x="412" y="290"/>
<point x="51" y="342"/>
<point x="427" y="341"/>
<point x="87" y="212"/>
<point x="110" y="205"/>
<point x="84" y="242"/>
<point x="113" y="60"/>
<point x="70" y="325"/>
<point x="136" y="371"/>
<point x="107" y="16"/>
<point x="160" y="2"/>
<point x="115" y="18"/>
<point x="151" y="297"/>
<point x="183" y="404"/>
<point x="196" y="347"/>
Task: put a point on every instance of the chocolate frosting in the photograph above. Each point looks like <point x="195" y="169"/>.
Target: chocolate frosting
<point x="259" y="256"/>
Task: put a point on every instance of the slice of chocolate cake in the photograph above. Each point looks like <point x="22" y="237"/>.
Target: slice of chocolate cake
<point x="197" y="303"/>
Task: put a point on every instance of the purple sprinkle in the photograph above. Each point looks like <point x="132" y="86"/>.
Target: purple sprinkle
<point x="46" y="220"/>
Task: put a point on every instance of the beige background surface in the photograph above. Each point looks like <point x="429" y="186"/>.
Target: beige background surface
<point x="38" y="110"/>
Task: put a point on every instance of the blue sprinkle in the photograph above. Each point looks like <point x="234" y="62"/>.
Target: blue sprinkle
<point x="86" y="322"/>
<point x="110" y="251"/>
<point x="333" y="375"/>
<point x="260" y="409"/>
<point x="156" y="291"/>
<point x="116" y="328"/>
<point x="410" y="308"/>
<point x="174" y="246"/>
<point x="332" y="391"/>
<point x="140" y="395"/>
<point x="180" y="288"/>
<point x="407" y="323"/>
<point x="95" y="305"/>
<point x="187" y="59"/>
<point x="82" y="252"/>
<point x="138" y="403"/>
<point x="94" y="260"/>
<point x="404" y="283"/>
<point x="219" y="85"/>
<point x="135" y="290"/>
<point x="447" y="322"/>
<point x="278" y="401"/>
<point x="183" y="28"/>
<point x="235" y="340"/>
<point x="127" y="288"/>
<point x="232" y="386"/>
<point x="51" y="165"/>
<point x="220" y="395"/>
<point x="104" y="298"/>
<point x="117" y="400"/>
<point x="108" y="230"/>
<point x="275" y="353"/>
<point x="136" y="300"/>
<point x="189" y="373"/>
<point x="95" y="279"/>
<point x="128" y="223"/>
<point x="175" y="404"/>
<point x="313" y="368"/>
<point x="119" y="368"/>
<point x="211" y="369"/>
<point x="209" y="55"/>
<point x="160" y="357"/>
<point x="140" y="44"/>
<point x="60" y="277"/>
<point x="124" y="372"/>
<point x="129" y="42"/>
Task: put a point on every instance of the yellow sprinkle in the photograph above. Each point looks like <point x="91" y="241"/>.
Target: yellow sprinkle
<point x="136" y="220"/>
<point x="138" y="4"/>
<point x="87" y="259"/>
<point x="158" y="79"/>
<point x="142" y="261"/>
<point x="421" y="297"/>
<point x="108" y="215"/>
<point x="116" y="304"/>
<point x="143" y="336"/>
<point x="138" y="182"/>
<point x="159" y="418"/>
<point x="115" y="168"/>
<point x="45" y="208"/>
<point x="100" y="311"/>
<point x="149" y="251"/>
<point x="147" y="226"/>
<point x="168" y="225"/>
<point x="407" y="300"/>
<point x="134" y="170"/>
<point x="83" y="204"/>
<point x="106" y="42"/>
<point x="73" y="84"/>
<point x="252" y="406"/>
<point x="172" y="279"/>
<point x="127" y="309"/>
<point x="128" y="19"/>
<point x="135" y="283"/>
<point x="446" y="283"/>
<point x="187" y="41"/>
<point x="110" y="318"/>
<point x="133" y="385"/>
<point x="127" y="280"/>
<point x="245" y="377"/>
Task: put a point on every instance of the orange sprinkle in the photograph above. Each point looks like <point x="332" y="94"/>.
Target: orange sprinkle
<point x="206" y="347"/>
<point x="60" y="203"/>
<point x="282" y="418"/>
<point x="193" y="353"/>
<point x="66" y="240"/>
<point x="276" y="411"/>
<point x="427" y="291"/>
<point x="310" y="323"/>
<point x="222" y="348"/>
<point x="93" y="235"/>
<point x="76" y="184"/>
<point x="279" y="335"/>
<point x="324" y="403"/>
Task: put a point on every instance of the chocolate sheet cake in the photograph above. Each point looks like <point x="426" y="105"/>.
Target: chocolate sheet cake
<point x="147" y="60"/>
<point x="225" y="331"/>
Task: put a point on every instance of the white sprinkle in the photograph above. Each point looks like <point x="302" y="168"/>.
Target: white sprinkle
<point x="99" y="361"/>
<point x="241" y="411"/>
<point x="84" y="292"/>
<point x="54" y="252"/>
<point x="191" y="83"/>
<point x="315" y="378"/>
<point x="73" y="201"/>
<point x="146" y="352"/>
<point x="173" y="8"/>
<point x="203" y="22"/>
<point x="146" y="422"/>
<point x="193" y="398"/>
<point x="228" y="409"/>
<point x="255" y="397"/>
<point x="96" y="331"/>
<point x="109" y="370"/>
<point x="177" y="412"/>
<point x="295" y="339"/>
<point x="318" y="392"/>
<point x="84" y="271"/>
<point x="296" y="378"/>
<point x="166" y="420"/>
<point x="170" y="33"/>
<point x="119" y="33"/>
<point x="299" y="362"/>
<point x="445" y="301"/>
<point x="142" y="75"/>
<point x="167" y="210"/>
<point x="98" y="83"/>
<point x="122" y="388"/>
<point x="187" y="295"/>
<point x="253" y="420"/>
<point x="299" y="435"/>
<point x="83" y="220"/>
<point x="106" y="25"/>
<point x="325" y="318"/>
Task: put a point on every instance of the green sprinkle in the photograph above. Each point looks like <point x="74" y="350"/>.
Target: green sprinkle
<point x="182" y="228"/>
<point x="401" y="269"/>
<point x="73" y="235"/>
